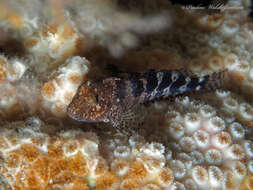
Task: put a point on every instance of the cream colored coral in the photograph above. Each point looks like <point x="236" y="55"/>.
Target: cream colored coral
<point x="12" y="93"/>
<point x="104" y="24"/>
<point x="11" y="70"/>
<point x="209" y="150"/>
<point x="55" y="41"/>
<point x="71" y="159"/>
<point x="32" y="159"/>
<point x="58" y="92"/>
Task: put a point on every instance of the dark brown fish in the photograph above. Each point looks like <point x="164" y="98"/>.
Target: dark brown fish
<point x="113" y="99"/>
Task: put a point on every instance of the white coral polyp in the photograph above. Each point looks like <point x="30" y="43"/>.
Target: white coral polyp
<point x="71" y="147"/>
<point x="248" y="146"/>
<point x="230" y="103"/>
<point x="187" y="144"/>
<point x="221" y="140"/>
<point x="8" y="96"/>
<point x="237" y="131"/>
<point x="197" y="157"/>
<point x="239" y="169"/>
<point x="186" y="159"/>
<point x="244" y="66"/>
<point x="215" y="124"/>
<point x="120" y="166"/>
<point x="58" y="46"/>
<point x="202" y="139"/>
<point x="207" y="111"/>
<point x="192" y="122"/>
<point x="235" y="152"/>
<point x="232" y="60"/>
<point x="178" y="168"/>
<point x="16" y="70"/>
<point x="216" y="176"/>
<point x="89" y="148"/>
<point x="229" y="28"/>
<point x="200" y="175"/>
<point x="222" y="93"/>
<point x="176" y="130"/>
<point x="178" y="186"/>
<point x="246" y="111"/>
<point x="173" y="115"/>
<point x="134" y="140"/>
<point x="155" y="150"/>
<point x="121" y="152"/>
<point x="213" y="156"/>
<point x="190" y="184"/>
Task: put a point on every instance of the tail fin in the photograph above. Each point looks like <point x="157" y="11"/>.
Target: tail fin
<point x="216" y="80"/>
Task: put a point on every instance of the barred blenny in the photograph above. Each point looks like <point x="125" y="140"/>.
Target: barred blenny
<point x="113" y="99"/>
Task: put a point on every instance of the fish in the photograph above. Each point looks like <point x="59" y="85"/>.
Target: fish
<point x="114" y="99"/>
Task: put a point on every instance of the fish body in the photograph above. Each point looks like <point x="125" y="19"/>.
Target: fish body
<point x="112" y="99"/>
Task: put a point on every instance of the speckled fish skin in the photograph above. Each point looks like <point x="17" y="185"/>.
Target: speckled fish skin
<point x="109" y="99"/>
<point x="153" y="84"/>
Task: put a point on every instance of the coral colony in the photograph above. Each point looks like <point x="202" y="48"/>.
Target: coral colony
<point x="53" y="53"/>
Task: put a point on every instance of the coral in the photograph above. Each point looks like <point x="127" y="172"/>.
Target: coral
<point x="198" y="141"/>
<point x="102" y="22"/>
<point x="32" y="159"/>
<point x="58" y="92"/>
<point x="55" y="41"/>
<point x="12" y="71"/>
<point x="55" y="94"/>
<point x="48" y="161"/>
<point x="209" y="149"/>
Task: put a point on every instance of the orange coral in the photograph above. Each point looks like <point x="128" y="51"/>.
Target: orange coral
<point x="247" y="183"/>
<point x="63" y="40"/>
<point x="3" y="64"/>
<point x="48" y="89"/>
<point x="44" y="170"/>
<point x="130" y="184"/>
<point x="107" y="181"/>
<point x="78" y="165"/>
<point x="137" y="171"/>
<point x="68" y="160"/>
